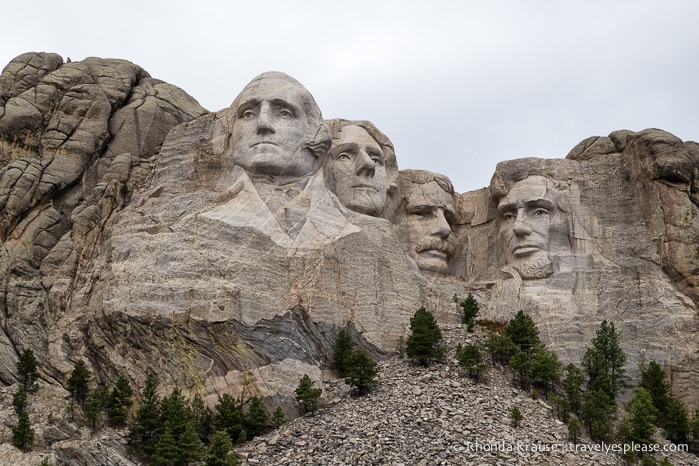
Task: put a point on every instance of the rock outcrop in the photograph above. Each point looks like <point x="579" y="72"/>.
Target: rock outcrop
<point x="142" y="233"/>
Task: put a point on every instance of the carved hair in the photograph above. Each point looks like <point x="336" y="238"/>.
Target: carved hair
<point x="337" y="124"/>
<point x="408" y="177"/>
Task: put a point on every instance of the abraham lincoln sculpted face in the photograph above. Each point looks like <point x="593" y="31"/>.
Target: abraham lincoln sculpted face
<point x="527" y="216"/>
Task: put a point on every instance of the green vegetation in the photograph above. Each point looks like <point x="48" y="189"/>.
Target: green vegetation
<point x="307" y="396"/>
<point x="470" y="358"/>
<point x="361" y="371"/>
<point x="342" y="353"/>
<point x="470" y="309"/>
<point x="516" y="416"/>
<point x="22" y="433"/>
<point x="219" y="452"/>
<point x="27" y="369"/>
<point x="79" y="382"/>
<point x="425" y="341"/>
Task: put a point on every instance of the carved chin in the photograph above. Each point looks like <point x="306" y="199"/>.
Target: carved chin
<point x="535" y="268"/>
<point x="433" y="261"/>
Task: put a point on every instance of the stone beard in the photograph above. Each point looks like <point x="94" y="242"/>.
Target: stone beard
<point x="528" y="215"/>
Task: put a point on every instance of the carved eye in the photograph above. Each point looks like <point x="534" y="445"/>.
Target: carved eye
<point x="247" y="114"/>
<point x="508" y="216"/>
<point x="285" y="113"/>
<point x="540" y="212"/>
<point x="344" y="156"/>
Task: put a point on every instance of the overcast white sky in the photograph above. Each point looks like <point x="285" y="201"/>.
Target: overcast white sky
<point x="456" y="85"/>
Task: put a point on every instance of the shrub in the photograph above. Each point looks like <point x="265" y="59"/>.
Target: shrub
<point x="361" y="371"/>
<point x="425" y="342"/>
<point x="307" y="396"/>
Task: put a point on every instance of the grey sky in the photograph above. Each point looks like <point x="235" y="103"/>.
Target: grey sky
<point x="457" y="85"/>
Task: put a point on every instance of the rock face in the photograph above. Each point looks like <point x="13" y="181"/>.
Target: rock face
<point x="142" y="233"/>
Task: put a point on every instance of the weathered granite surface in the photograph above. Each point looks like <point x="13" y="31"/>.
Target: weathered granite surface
<point x="141" y="232"/>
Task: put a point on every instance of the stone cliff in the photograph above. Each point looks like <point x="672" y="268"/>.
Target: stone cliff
<point x="226" y="250"/>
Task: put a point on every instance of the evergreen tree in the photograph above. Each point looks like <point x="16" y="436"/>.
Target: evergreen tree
<point x="470" y="309"/>
<point x="604" y="361"/>
<point x="361" y="371"/>
<point x="470" y="358"/>
<point x="229" y="416"/>
<point x="219" y="452"/>
<point x="516" y="416"/>
<point x="79" y="382"/>
<point x="596" y="412"/>
<point x="119" y="402"/>
<point x="521" y="365"/>
<point x="27" y="369"/>
<point x="653" y="381"/>
<point x="306" y="395"/>
<point x="572" y="386"/>
<point x="342" y="352"/>
<point x="694" y="426"/>
<point x="22" y="433"/>
<point x="94" y="405"/>
<point x="676" y="425"/>
<point x="574" y="430"/>
<point x="278" y="418"/>
<point x="546" y="369"/>
<point x="189" y="446"/>
<point x="501" y="348"/>
<point x="202" y="417"/>
<point x="242" y="437"/>
<point x="561" y="407"/>
<point x="256" y="419"/>
<point x="425" y="341"/>
<point x="165" y="452"/>
<point x="142" y="433"/>
<point x="641" y="415"/>
<point x="523" y="332"/>
<point x="175" y="413"/>
<point x="19" y="400"/>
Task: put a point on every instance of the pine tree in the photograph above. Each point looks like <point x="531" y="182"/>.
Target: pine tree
<point x="229" y="416"/>
<point x="523" y="332"/>
<point x="27" y="369"/>
<point x="641" y="415"/>
<point x="278" y="418"/>
<point x="546" y="369"/>
<point x="79" y="382"/>
<point x="470" y="358"/>
<point x="516" y="416"/>
<point x="175" y="413"/>
<point x="19" y="400"/>
<point x="256" y="419"/>
<point x="501" y="348"/>
<point x="343" y="350"/>
<point x="676" y="425"/>
<point x="306" y="395"/>
<point x="653" y="381"/>
<point x="425" y="342"/>
<point x="22" y="433"/>
<point x="596" y="412"/>
<point x="219" y="452"/>
<point x="361" y="371"/>
<point x="189" y="446"/>
<point x="202" y="417"/>
<point x="94" y="405"/>
<point x="470" y="309"/>
<point x="572" y="386"/>
<point x="604" y="361"/>
<point x="521" y="365"/>
<point x="165" y="452"/>
<point x="142" y="433"/>
<point x="574" y="430"/>
<point x="119" y="402"/>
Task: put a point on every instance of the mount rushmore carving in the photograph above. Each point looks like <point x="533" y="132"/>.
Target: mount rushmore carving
<point x="141" y="232"/>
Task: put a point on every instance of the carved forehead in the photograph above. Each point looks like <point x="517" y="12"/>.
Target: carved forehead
<point x="531" y="189"/>
<point x="274" y="85"/>
<point x="429" y="194"/>
<point x="355" y="134"/>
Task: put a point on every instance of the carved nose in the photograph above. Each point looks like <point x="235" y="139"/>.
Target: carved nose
<point x="363" y="165"/>
<point x="264" y="122"/>
<point x="521" y="227"/>
<point x="440" y="226"/>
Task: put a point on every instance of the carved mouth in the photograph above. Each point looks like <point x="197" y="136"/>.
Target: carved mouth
<point x="525" y="249"/>
<point x="434" y="254"/>
<point x="365" y="186"/>
<point x="265" y="142"/>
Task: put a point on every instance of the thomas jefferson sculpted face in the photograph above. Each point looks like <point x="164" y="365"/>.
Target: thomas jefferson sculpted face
<point x="526" y="215"/>
<point x="278" y="128"/>
<point x="357" y="171"/>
